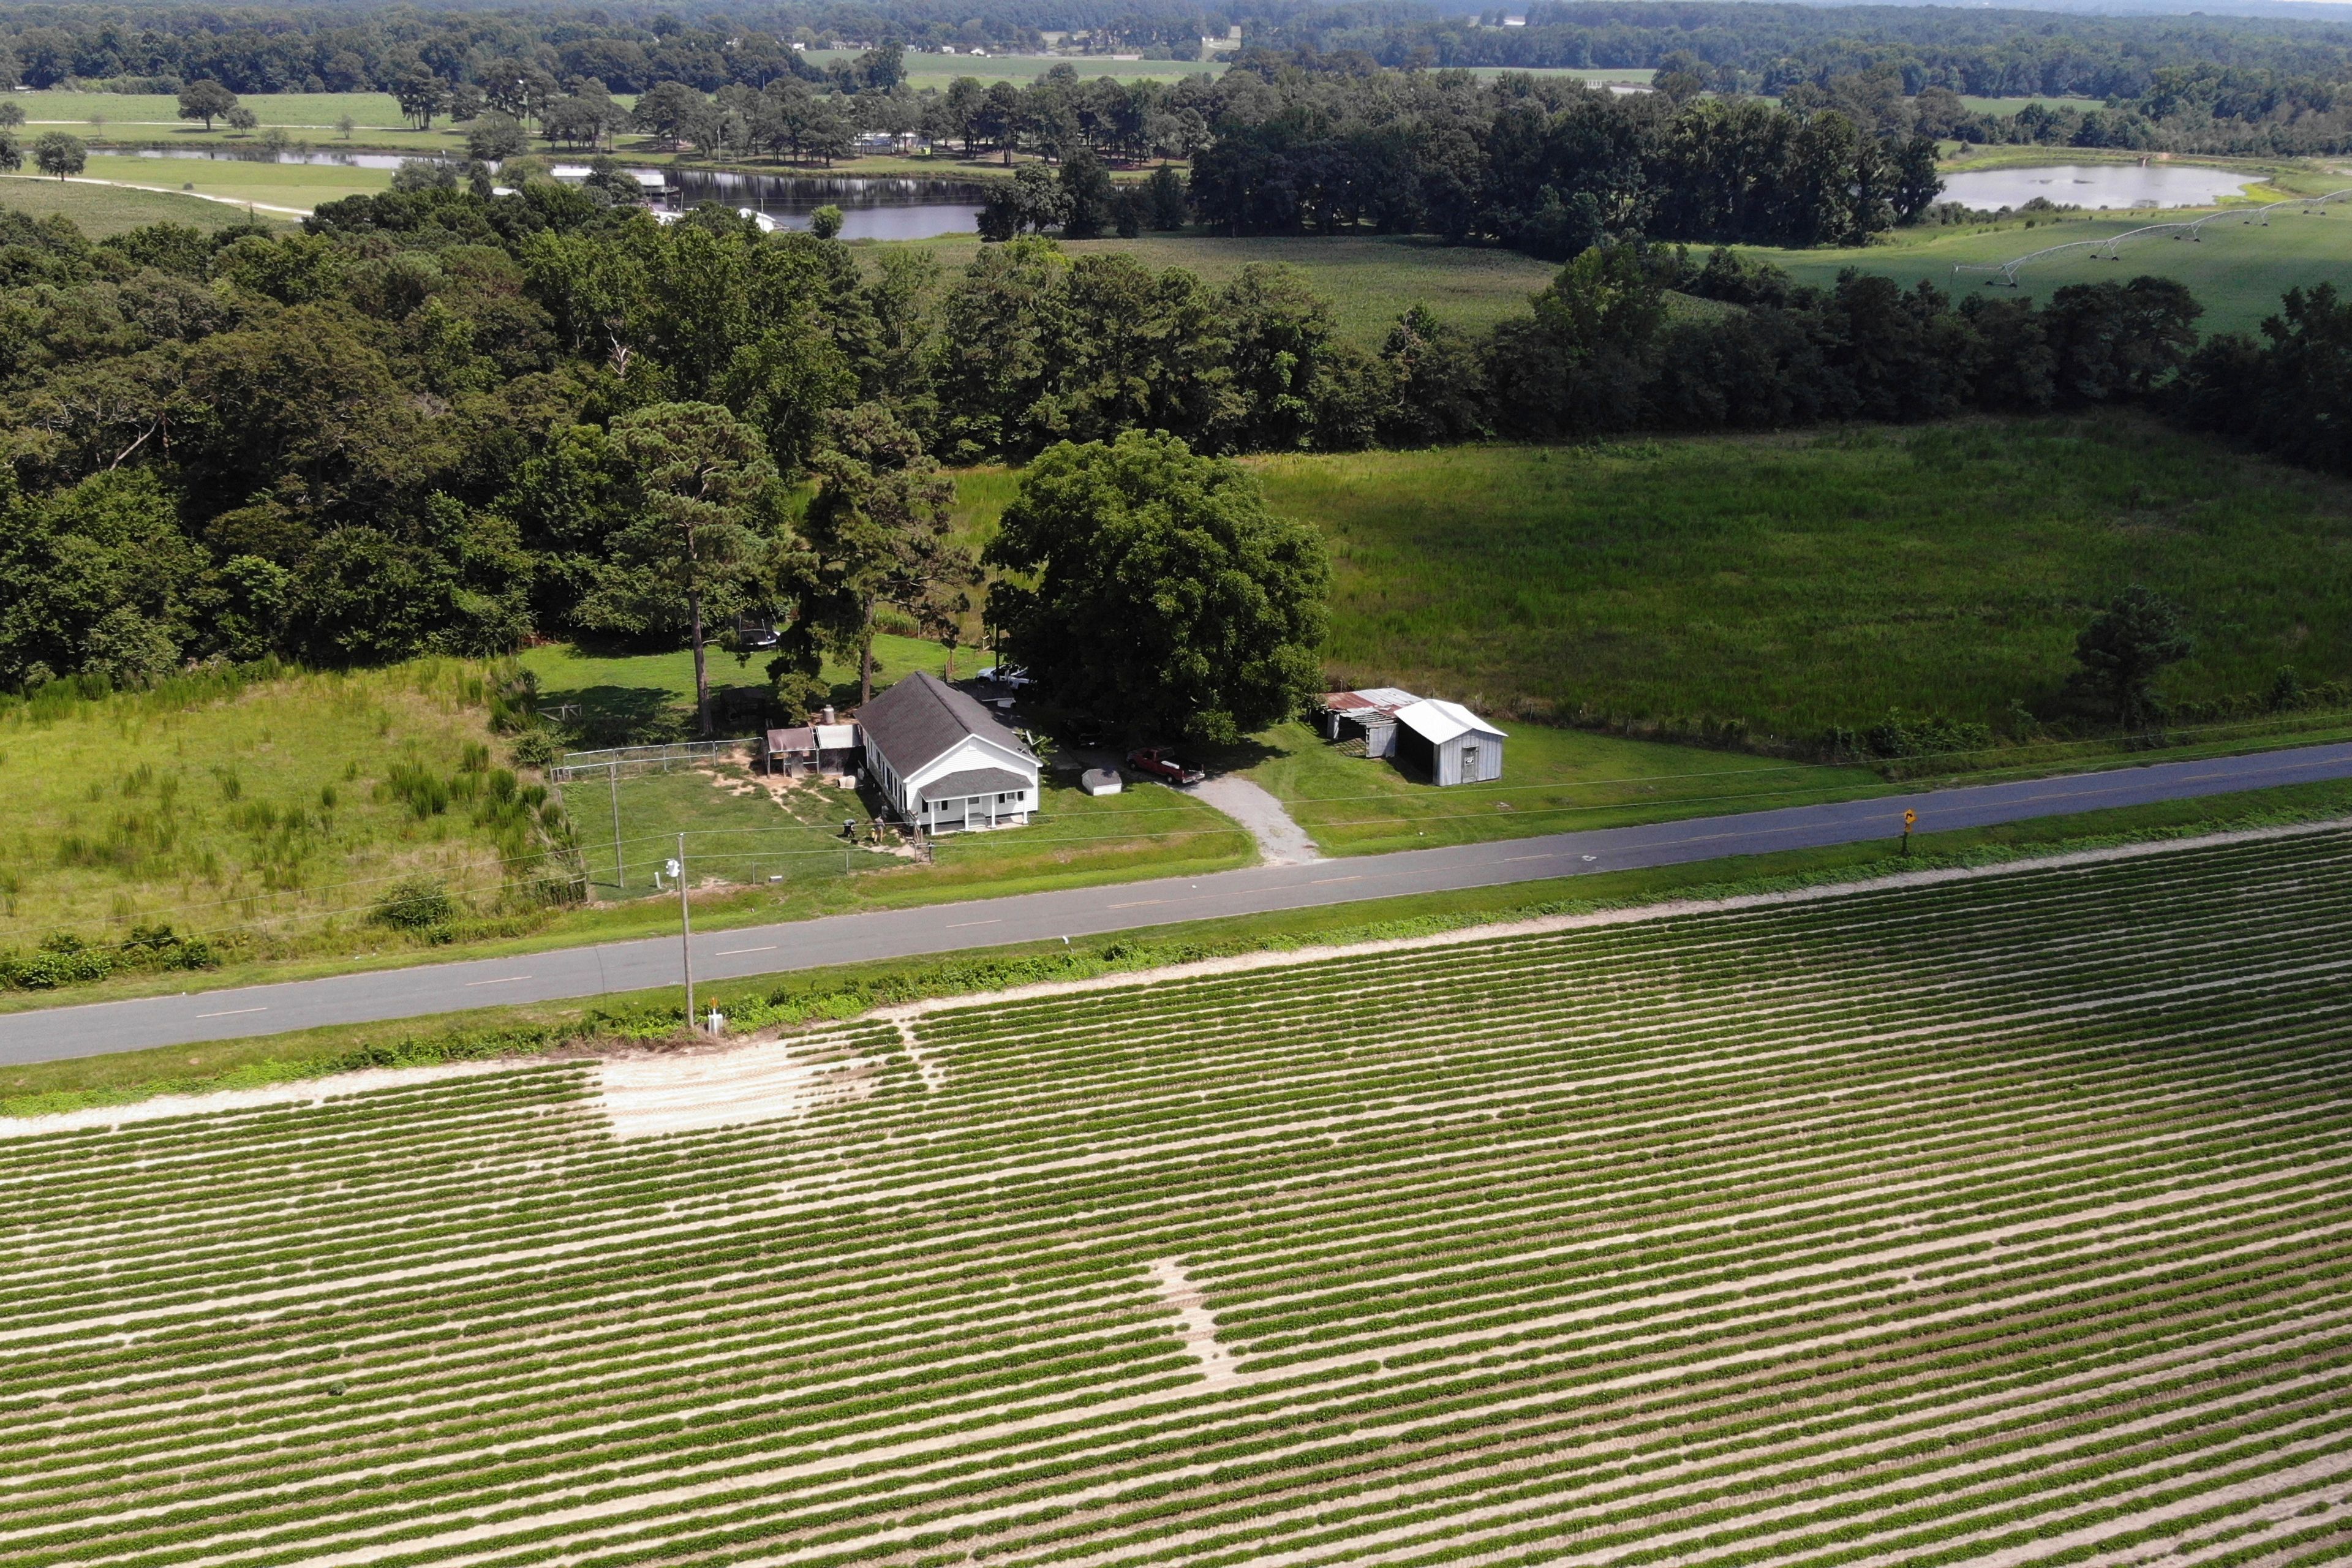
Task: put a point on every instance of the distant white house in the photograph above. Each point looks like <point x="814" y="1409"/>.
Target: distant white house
<point x="943" y="762"/>
<point x="1449" y="743"/>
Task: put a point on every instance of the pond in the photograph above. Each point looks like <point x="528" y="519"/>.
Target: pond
<point x="871" y="208"/>
<point x="2098" y="186"/>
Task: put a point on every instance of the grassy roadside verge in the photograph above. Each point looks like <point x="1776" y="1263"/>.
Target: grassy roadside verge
<point x="1193" y="849"/>
<point x="846" y="990"/>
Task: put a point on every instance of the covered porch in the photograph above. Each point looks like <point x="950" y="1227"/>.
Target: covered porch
<point x="973" y="800"/>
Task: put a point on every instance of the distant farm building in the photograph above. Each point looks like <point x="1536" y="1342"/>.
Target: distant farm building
<point x="1369" y="715"/>
<point x="943" y="762"/>
<point x="1448" y="743"/>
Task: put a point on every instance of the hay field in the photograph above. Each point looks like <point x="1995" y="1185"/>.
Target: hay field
<point x="1800" y="582"/>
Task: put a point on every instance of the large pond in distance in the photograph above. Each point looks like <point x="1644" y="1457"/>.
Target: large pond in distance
<point x="2096" y="185"/>
<point x="871" y="208"/>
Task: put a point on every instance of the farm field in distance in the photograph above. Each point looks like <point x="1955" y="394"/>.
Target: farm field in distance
<point x="1369" y="281"/>
<point x="154" y="110"/>
<point x="1996" y="1218"/>
<point x="2237" y="270"/>
<point x="1801" y="581"/>
<point x="103" y="210"/>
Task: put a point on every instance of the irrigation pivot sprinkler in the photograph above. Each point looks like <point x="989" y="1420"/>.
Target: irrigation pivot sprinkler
<point x="2110" y="246"/>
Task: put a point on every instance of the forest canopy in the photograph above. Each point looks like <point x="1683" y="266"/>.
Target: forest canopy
<point x="418" y="425"/>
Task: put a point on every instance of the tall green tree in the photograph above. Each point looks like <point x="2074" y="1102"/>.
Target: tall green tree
<point x="701" y="478"/>
<point x="60" y="154"/>
<point x="1152" y="585"/>
<point x="2127" y="648"/>
<point x="205" y="100"/>
<point x="877" y="534"/>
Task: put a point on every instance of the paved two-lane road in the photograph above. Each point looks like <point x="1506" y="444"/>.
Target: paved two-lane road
<point x="94" y="1029"/>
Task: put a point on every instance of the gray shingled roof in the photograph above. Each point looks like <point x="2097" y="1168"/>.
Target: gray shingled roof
<point x="971" y="782"/>
<point x="923" y="717"/>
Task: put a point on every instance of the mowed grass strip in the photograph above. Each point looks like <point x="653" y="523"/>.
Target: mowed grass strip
<point x="1797" y="582"/>
<point x="1907" y="1221"/>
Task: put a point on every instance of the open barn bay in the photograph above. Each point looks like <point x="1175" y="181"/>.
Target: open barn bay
<point x="1995" y="1219"/>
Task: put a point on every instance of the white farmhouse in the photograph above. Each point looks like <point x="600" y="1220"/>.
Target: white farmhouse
<point x="943" y="762"/>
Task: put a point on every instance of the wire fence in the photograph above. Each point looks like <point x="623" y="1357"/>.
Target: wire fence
<point x="628" y="762"/>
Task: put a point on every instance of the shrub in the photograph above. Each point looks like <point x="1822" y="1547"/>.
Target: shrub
<point x="537" y="747"/>
<point x="415" y="904"/>
<point x="1931" y="734"/>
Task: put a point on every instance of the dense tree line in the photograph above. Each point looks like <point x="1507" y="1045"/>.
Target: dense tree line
<point x="1746" y="47"/>
<point x="2191" y="84"/>
<point x="438" y="420"/>
<point x="1546" y="165"/>
<point x="2204" y="108"/>
<point x="1742" y="47"/>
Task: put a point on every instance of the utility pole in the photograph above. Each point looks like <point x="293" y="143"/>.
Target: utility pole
<point x="620" y="881"/>
<point x="685" y="930"/>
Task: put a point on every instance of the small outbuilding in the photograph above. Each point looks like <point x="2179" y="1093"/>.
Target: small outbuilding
<point x="827" y="746"/>
<point x="1448" y="743"/>
<point x="1369" y="715"/>
<point x="1102" y="781"/>
<point x="943" y="761"/>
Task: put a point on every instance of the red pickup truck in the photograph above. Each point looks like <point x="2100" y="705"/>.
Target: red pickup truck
<point x="1155" y="761"/>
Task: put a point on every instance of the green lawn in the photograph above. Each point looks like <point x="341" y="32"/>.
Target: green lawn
<point x="1800" y="582"/>
<point x="284" y="187"/>
<point x="98" y="210"/>
<point x="627" y="699"/>
<point x="2237" y="270"/>
<point x="739" y="831"/>
<point x="294" y="110"/>
<point x="1370" y="281"/>
<point x="1555" y="780"/>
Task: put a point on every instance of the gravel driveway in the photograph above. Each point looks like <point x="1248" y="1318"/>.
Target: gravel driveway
<point x="1280" y="841"/>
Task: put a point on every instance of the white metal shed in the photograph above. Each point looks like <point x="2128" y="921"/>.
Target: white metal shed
<point x="1449" y="743"/>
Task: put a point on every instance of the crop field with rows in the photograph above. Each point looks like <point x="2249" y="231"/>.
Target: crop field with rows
<point x="2000" y="1220"/>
